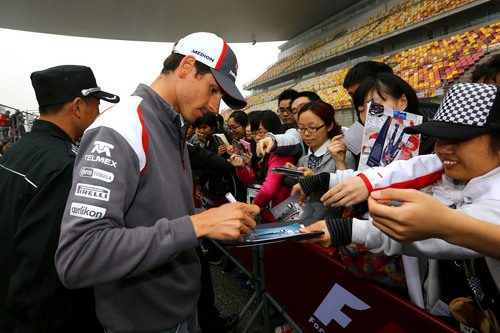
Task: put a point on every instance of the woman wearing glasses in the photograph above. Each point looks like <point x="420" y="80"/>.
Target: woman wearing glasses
<point x="236" y="124"/>
<point x="322" y="134"/>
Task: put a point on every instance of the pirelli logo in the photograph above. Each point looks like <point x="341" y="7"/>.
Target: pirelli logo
<point x="86" y="211"/>
<point x="92" y="192"/>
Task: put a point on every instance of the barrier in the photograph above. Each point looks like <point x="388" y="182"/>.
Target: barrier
<point x="320" y="296"/>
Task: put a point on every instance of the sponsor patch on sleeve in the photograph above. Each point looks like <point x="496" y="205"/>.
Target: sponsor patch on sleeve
<point x="85" y="211"/>
<point x="98" y="174"/>
<point x="102" y="147"/>
<point x="92" y="191"/>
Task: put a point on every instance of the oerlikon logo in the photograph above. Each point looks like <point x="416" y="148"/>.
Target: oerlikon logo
<point x="331" y="308"/>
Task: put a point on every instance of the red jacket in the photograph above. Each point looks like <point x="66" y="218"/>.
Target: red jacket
<point x="272" y="189"/>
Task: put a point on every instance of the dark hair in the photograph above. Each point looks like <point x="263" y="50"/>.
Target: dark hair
<point x="494" y="143"/>
<point x="254" y="118"/>
<point x="208" y="118"/>
<point x="309" y="94"/>
<point x="487" y="71"/>
<point x="220" y="119"/>
<point x="51" y="109"/>
<point x="387" y="85"/>
<point x="364" y="69"/>
<point x="173" y="61"/>
<point x="287" y="94"/>
<point x="240" y="117"/>
<point x="55" y="108"/>
<point x="271" y="122"/>
<point x="326" y="112"/>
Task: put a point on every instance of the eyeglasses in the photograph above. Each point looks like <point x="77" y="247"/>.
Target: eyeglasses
<point x="259" y="132"/>
<point x="310" y="129"/>
<point x="233" y="128"/>
<point x="285" y="110"/>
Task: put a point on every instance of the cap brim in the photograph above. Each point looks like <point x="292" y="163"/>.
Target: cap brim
<point x="106" y="96"/>
<point x="444" y="130"/>
<point x="233" y="98"/>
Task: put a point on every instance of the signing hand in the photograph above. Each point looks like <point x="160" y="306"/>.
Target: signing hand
<point x="351" y="191"/>
<point x="227" y="222"/>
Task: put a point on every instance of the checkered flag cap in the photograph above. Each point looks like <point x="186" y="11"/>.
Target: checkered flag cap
<point x="467" y="110"/>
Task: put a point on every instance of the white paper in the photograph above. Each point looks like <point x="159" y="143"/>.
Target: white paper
<point x="222" y="137"/>
<point x="353" y="137"/>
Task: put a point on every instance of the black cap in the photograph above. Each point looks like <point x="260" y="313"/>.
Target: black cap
<point x="468" y="110"/>
<point x="61" y="84"/>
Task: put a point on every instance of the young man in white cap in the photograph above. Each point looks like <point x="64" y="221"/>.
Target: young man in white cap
<point x="36" y="178"/>
<point x="129" y="227"/>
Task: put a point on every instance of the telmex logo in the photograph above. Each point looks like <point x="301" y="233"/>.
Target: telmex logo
<point x="86" y="211"/>
<point x="331" y="308"/>
<point x="201" y="54"/>
<point x="92" y="191"/>
<point x="102" y="147"/>
<point x="100" y="159"/>
<point x="96" y="173"/>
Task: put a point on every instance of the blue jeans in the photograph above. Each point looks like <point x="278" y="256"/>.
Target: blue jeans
<point x="187" y="326"/>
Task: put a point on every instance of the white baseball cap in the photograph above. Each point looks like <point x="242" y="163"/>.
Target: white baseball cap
<point x="214" y="52"/>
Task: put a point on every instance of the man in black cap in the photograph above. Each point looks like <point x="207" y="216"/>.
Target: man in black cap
<point x="36" y="178"/>
<point x="130" y="229"/>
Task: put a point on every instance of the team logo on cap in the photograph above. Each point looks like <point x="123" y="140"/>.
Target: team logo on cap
<point x="203" y="55"/>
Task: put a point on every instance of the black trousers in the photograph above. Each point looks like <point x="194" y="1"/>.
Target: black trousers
<point x="208" y="315"/>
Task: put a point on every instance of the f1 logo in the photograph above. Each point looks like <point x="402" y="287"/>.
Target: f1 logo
<point x="331" y="307"/>
<point x="102" y="147"/>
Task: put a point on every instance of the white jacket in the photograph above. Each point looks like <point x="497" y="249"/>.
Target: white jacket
<point x="480" y="198"/>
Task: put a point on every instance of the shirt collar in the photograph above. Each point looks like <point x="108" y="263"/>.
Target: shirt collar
<point x="321" y="150"/>
<point x="44" y="126"/>
<point x="484" y="187"/>
<point x="163" y="108"/>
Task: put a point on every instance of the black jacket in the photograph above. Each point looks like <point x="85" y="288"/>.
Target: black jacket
<point x="35" y="179"/>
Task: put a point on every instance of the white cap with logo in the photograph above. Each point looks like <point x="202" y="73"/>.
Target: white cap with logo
<point x="214" y="52"/>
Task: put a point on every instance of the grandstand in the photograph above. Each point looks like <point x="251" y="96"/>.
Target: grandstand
<point x="429" y="43"/>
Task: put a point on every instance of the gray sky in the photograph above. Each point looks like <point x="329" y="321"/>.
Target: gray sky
<point x="119" y="66"/>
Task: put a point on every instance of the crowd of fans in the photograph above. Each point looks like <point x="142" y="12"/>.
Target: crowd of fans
<point x="456" y="176"/>
<point x="308" y="138"/>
